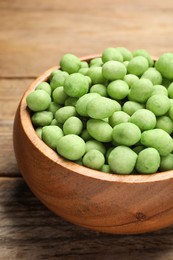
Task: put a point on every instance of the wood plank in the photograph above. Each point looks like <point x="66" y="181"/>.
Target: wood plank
<point x="28" y="230"/>
<point x="34" y="36"/>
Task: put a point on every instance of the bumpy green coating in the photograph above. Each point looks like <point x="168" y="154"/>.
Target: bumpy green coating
<point x="58" y="79"/>
<point x="144" y="53"/>
<point x="127" y="55"/>
<point x="118" y="117"/>
<point x="84" y="64"/>
<point x="105" y="168"/>
<point x="85" y="135"/>
<point x="100" y="89"/>
<point x="96" y="62"/>
<point x="81" y="104"/>
<point x="44" y="86"/>
<point x="73" y="125"/>
<point x="165" y="65"/>
<point x="71" y="101"/>
<point x="64" y="113"/>
<point x="99" y="130"/>
<point x="165" y="123"/>
<point x="76" y="85"/>
<point x="137" y="65"/>
<point x="96" y="75"/>
<point x="53" y="107"/>
<point x="144" y="119"/>
<point x="122" y="160"/>
<point x="39" y="131"/>
<point x="166" y="162"/>
<point x="118" y="89"/>
<point x="170" y="91"/>
<point x="94" y="144"/>
<point x="58" y="72"/>
<point x="93" y="159"/>
<point x="71" y="147"/>
<point x="126" y="134"/>
<point x="170" y="112"/>
<point x="130" y="107"/>
<point x="59" y="96"/>
<point x="113" y="70"/>
<point x="100" y="107"/>
<point x="159" y="90"/>
<point x="153" y="75"/>
<point x="38" y="100"/>
<point x="70" y="63"/>
<point x="51" y="134"/>
<point x="158" y="104"/>
<point x="42" y="118"/>
<point x="83" y="71"/>
<point x="138" y="149"/>
<point x="130" y="79"/>
<point x="158" y="139"/>
<point x="112" y="54"/>
<point x="148" y="161"/>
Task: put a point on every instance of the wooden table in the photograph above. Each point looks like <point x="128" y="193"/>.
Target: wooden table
<point x="33" y="36"/>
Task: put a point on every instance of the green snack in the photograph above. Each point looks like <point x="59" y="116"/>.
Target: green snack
<point x="96" y="62"/>
<point x="138" y="149"/>
<point x="130" y="107"/>
<point x="70" y="63"/>
<point x="71" y="147"/>
<point x="51" y="134"/>
<point x="76" y="85"/>
<point x="100" y="107"/>
<point x="42" y="118"/>
<point x="39" y="131"/>
<point x="153" y="75"/>
<point x="58" y="72"/>
<point x="130" y="79"/>
<point x="127" y="55"/>
<point x="105" y="168"/>
<point x="141" y="90"/>
<point x="113" y="70"/>
<point x="93" y="159"/>
<point x="165" y="123"/>
<point x="137" y="65"/>
<point x="64" y="113"/>
<point x="166" y="162"/>
<point x="85" y="135"/>
<point x="126" y="134"/>
<point x="158" y="139"/>
<point x="159" y="90"/>
<point x="118" y="117"/>
<point x="96" y="145"/>
<point x="112" y="54"/>
<point x="126" y="63"/>
<point x="44" y="86"/>
<point x="71" y="101"/>
<point x="170" y="113"/>
<point x="54" y="122"/>
<point x="38" y="100"/>
<point x="96" y="75"/>
<point x="170" y="91"/>
<point x="100" y="89"/>
<point x="118" y="89"/>
<point x="73" y="125"/>
<point x="84" y="64"/>
<point x="122" y="160"/>
<point x="158" y="104"/>
<point x="166" y="82"/>
<point x="59" y="96"/>
<point x="81" y="104"/>
<point x="148" y="161"/>
<point x="165" y="65"/>
<point x="58" y="79"/>
<point x="53" y="107"/>
<point x="83" y="71"/>
<point x="145" y="54"/>
<point x="144" y="119"/>
<point x="99" y="130"/>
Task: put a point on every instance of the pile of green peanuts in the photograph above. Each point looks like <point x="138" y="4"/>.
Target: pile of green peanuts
<point x="113" y="113"/>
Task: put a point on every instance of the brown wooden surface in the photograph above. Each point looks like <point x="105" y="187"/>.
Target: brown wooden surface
<point x="33" y="36"/>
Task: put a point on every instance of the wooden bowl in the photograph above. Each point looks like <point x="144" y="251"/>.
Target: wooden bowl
<point x="121" y="204"/>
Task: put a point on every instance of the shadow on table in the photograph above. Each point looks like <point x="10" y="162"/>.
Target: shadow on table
<point x="36" y="233"/>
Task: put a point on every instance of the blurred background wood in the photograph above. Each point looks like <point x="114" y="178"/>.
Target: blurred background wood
<point x="33" y="36"/>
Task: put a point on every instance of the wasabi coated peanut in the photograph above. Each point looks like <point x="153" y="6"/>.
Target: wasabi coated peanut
<point x="126" y="134"/>
<point x="85" y="135"/>
<point x="137" y="65"/>
<point x="159" y="90"/>
<point x="73" y="125"/>
<point x="118" y="89"/>
<point x="113" y="70"/>
<point x="165" y="123"/>
<point x="105" y="168"/>
<point x="38" y="100"/>
<point x="44" y="86"/>
<point x="112" y="54"/>
<point x="54" y="122"/>
<point x="42" y="118"/>
<point x="96" y="62"/>
<point x="71" y="101"/>
<point x="60" y="73"/>
<point x="127" y="55"/>
<point x="53" y="107"/>
<point x="70" y="63"/>
<point x="138" y="149"/>
<point x="153" y="75"/>
<point x="141" y="90"/>
<point x="84" y="64"/>
<point x="130" y="107"/>
<point x="148" y="161"/>
<point x="100" y="107"/>
<point x="118" y="117"/>
<point x="94" y="144"/>
<point x="165" y="65"/>
<point x="170" y="91"/>
<point x="145" y="54"/>
<point x="59" y="96"/>
<point x="158" y="104"/>
<point x="166" y="162"/>
<point x="130" y="78"/>
<point x="58" y="79"/>
<point x="122" y="160"/>
<point x="51" y="134"/>
<point x="93" y="159"/>
<point x="76" y="85"/>
<point x="39" y="131"/>
<point x="81" y="104"/>
<point x="158" y="139"/>
<point x="95" y="74"/>
<point x="99" y="89"/>
<point x="71" y="147"/>
<point x="64" y="113"/>
<point x="99" y="130"/>
<point x="83" y="71"/>
<point x="144" y="119"/>
<point x="170" y="112"/>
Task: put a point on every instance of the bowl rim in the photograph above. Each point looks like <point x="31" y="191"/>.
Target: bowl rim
<point x="72" y="166"/>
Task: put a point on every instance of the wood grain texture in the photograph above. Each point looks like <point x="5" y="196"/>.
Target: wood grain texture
<point x="29" y="231"/>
